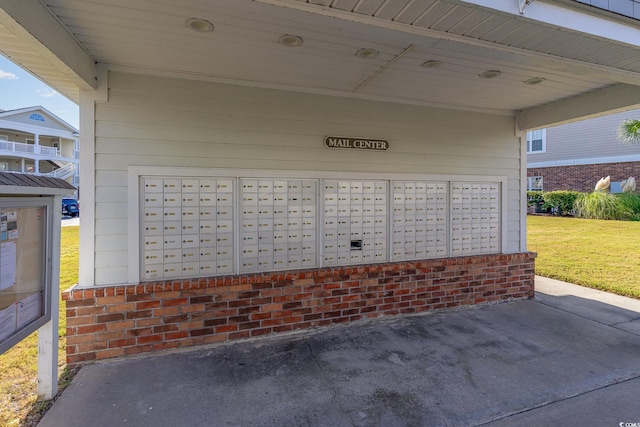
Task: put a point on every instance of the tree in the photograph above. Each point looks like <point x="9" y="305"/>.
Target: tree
<point x="629" y="131"/>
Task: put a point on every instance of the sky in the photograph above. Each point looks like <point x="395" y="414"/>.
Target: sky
<point x="19" y="89"/>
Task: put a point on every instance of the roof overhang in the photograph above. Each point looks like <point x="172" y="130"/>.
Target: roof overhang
<point x="587" y="60"/>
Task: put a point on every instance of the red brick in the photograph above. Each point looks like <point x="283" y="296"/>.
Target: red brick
<point x="91" y="329"/>
<point x="149" y="339"/>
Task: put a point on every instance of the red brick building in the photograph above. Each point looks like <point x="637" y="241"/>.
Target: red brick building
<point x="576" y="155"/>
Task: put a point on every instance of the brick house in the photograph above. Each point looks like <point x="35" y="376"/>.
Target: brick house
<point x="257" y="167"/>
<point x="575" y="156"/>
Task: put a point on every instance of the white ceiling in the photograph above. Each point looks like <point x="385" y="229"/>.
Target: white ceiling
<point x="150" y="36"/>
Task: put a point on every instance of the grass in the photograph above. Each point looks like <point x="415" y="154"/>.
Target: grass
<point x="600" y="254"/>
<point x="18" y="385"/>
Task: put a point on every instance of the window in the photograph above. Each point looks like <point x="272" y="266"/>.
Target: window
<point x="535" y="183"/>
<point x="537" y="141"/>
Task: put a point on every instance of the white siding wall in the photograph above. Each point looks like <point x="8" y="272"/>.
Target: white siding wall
<point x="587" y="139"/>
<point x="154" y="121"/>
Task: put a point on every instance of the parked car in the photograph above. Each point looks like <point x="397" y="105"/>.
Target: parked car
<point x="70" y="208"/>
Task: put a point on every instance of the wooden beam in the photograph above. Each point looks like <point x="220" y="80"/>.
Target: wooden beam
<point x="608" y="100"/>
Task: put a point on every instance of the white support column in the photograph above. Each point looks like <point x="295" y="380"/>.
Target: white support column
<point x="86" y="274"/>
<point x="48" y="333"/>
<point x="22" y="166"/>
<point x="522" y="135"/>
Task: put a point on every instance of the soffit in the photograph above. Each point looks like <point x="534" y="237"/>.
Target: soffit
<point x="150" y="36"/>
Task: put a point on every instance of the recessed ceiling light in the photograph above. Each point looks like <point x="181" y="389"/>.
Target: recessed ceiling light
<point x="290" y="40"/>
<point x="534" y="80"/>
<point x="367" y="53"/>
<point x="489" y="74"/>
<point x="199" y="25"/>
<point x="432" y="64"/>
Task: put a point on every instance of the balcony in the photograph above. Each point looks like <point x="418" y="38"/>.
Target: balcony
<point x="64" y="167"/>
<point x="19" y="149"/>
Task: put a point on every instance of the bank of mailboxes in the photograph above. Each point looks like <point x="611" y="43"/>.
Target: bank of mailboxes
<point x="355" y="222"/>
<point x="475" y="218"/>
<point x="188" y="223"/>
<point x="419" y="220"/>
<point x="278" y="225"/>
<point x="187" y="227"/>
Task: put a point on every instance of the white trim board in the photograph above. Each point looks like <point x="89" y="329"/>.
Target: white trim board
<point x="587" y="161"/>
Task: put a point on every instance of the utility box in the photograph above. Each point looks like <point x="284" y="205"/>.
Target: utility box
<point x="30" y="213"/>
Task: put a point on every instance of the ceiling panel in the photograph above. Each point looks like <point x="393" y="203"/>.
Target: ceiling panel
<point x="390" y="8"/>
<point x="414" y="10"/>
<point x="151" y="36"/>
<point x="368" y="7"/>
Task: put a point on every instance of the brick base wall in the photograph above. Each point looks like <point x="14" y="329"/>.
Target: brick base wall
<point x="105" y="322"/>
<point x="583" y="177"/>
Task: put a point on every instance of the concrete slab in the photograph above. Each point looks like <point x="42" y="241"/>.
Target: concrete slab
<point x="610" y="309"/>
<point x="521" y="363"/>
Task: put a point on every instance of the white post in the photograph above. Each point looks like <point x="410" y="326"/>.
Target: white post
<point x="22" y="165"/>
<point x="36" y="150"/>
<point x="48" y="333"/>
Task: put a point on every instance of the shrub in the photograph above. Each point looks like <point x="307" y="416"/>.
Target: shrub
<point x="631" y="202"/>
<point x="600" y="205"/>
<point x="561" y="201"/>
<point x="535" y="198"/>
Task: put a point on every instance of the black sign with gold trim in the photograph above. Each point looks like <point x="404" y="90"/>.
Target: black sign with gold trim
<point x="356" y="143"/>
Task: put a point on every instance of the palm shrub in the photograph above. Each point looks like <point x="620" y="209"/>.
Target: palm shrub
<point x="601" y="205"/>
<point x="629" y="131"/>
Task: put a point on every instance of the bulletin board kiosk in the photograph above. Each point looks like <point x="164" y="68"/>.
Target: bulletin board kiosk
<point x="30" y="213"/>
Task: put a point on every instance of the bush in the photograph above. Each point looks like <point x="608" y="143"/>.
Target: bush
<point x="561" y="202"/>
<point x="601" y="205"/>
<point x="632" y="203"/>
<point x="535" y="198"/>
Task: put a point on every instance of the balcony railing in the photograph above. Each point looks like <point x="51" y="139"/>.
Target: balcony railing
<point x="18" y="147"/>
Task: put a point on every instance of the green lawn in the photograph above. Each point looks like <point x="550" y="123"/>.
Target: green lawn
<point x="18" y="366"/>
<point x="595" y="253"/>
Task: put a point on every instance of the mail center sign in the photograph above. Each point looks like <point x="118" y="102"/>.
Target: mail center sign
<point x="356" y="143"/>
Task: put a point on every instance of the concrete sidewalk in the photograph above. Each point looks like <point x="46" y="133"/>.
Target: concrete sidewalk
<point x="569" y="357"/>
